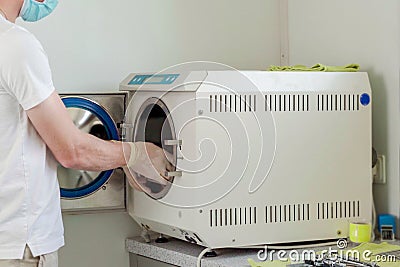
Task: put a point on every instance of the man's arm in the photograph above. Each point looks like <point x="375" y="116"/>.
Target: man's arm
<point x="70" y="146"/>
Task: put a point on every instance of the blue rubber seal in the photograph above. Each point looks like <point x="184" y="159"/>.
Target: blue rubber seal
<point x="112" y="134"/>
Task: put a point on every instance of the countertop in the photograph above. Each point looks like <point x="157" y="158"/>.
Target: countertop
<point x="181" y="253"/>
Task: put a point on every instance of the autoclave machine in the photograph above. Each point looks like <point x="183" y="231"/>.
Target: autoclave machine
<point x="260" y="157"/>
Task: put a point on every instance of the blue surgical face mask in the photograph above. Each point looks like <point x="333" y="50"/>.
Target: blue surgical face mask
<point x="33" y="11"/>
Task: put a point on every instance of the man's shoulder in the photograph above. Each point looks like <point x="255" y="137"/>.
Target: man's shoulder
<point x="18" y="44"/>
<point x="16" y="37"/>
<point x="18" y="33"/>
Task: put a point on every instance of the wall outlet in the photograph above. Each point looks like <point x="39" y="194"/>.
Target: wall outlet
<point x="379" y="171"/>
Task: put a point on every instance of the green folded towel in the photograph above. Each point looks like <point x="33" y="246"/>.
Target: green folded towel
<point x="376" y="249"/>
<point x="275" y="263"/>
<point x="317" y="67"/>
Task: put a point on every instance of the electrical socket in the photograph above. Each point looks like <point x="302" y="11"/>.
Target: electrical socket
<point x="379" y="171"/>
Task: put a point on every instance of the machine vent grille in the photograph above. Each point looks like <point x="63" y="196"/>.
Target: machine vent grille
<point x="338" y="102"/>
<point x="233" y="103"/>
<point x="287" y="213"/>
<point x="287" y="102"/>
<point x="335" y="210"/>
<point x="233" y="216"/>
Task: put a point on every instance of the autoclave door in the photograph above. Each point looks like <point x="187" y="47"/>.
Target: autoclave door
<point x="84" y="190"/>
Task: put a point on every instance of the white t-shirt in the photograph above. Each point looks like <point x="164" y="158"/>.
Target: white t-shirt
<point x="30" y="210"/>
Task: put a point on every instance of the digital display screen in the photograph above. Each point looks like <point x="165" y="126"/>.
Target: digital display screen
<point x="154" y="79"/>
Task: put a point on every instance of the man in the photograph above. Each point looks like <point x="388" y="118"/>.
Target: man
<point x="32" y="142"/>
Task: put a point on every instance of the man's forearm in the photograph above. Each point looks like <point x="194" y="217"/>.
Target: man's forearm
<point x="93" y="154"/>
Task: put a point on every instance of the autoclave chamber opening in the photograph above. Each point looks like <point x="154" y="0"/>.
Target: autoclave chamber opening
<point x="154" y="125"/>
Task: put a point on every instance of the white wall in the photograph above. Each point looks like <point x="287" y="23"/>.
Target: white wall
<point x="364" y="32"/>
<point x="93" y="45"/>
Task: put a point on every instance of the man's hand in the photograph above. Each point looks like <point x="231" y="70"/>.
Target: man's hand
<point x="149" y="161"/>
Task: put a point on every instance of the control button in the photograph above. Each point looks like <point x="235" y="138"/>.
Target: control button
<point x="365" y="99"/>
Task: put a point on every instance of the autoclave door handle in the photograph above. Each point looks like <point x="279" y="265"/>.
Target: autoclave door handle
<point x="173" y="174"/>
<point x="173" y="142"/>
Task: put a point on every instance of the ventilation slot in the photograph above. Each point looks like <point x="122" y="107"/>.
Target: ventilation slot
<point x="341" y="102"/>
<point x="233" y="103"/>
<point x="337" y="210"/>
<point x="287" y="213"/>
<point x="233" y="216"/>
<point x="286" y="102"/>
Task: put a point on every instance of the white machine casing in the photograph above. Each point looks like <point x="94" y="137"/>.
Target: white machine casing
<point x="266" y="157"/>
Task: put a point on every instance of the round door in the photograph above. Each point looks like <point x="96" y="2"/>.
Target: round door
<point x="154" y="124"/>
<point x="91" y="118"/>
